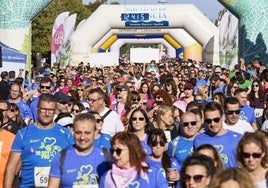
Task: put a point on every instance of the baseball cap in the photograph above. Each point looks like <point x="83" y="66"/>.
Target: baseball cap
<point x="62" y="98"/>
<point x="188" y="86"/>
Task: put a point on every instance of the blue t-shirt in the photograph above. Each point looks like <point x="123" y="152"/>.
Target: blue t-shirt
<point x="79" y="170"/>
<point x="38" y="147"/>
<point x="247" y="114"/>
<point x="33" y="108"/>
<point x="158" y="164"/>
<point x="103" y="141"/>
<point x="225" y="144"/>
<point x="183" y="150"/>
<point x="156" y="179"/>
<point x="145" y="146"/>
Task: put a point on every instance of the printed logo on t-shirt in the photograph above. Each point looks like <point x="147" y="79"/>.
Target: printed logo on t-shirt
<point x="49" y="149"/>
<point x="224" y="157"/>
<point x="85" y="176"/>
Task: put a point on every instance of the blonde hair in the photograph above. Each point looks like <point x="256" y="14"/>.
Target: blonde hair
<point x="162" y="110"/>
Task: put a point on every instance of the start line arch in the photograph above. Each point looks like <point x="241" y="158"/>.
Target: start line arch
<point x="109" y="21"/>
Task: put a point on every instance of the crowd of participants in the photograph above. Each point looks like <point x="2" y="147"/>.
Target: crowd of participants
<point x="168" y="124"/>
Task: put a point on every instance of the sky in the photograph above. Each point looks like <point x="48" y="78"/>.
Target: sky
<point x="210" y="8"/>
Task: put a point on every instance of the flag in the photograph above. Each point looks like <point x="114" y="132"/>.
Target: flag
<point x="58" y="33"/>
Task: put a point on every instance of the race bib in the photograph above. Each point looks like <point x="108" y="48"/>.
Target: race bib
<point x="258" y="112"/>
<point x="41" y="176"/>
<point x="86" y="186"/>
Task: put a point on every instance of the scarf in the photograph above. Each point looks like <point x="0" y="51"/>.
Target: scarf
<point x="121" y="178"/>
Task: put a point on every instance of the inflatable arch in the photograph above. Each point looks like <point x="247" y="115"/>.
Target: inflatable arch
<point x="131" y="17"/>
<point x="179" y="39"/>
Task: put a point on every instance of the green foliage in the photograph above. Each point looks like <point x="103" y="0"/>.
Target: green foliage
<point x="42" y="25"/>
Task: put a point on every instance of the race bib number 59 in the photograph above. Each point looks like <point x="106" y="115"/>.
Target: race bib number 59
<point x="41" y="176"/>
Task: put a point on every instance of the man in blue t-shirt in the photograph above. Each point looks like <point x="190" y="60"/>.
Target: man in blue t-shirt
<point x="246" y="112"/>
<point x="225" y="141"/>
<point x="36" y="145"/>
<point x="182" y="146"/>
<point x="80" y="165"/>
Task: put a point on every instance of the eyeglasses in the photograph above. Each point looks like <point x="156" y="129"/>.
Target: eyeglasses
<point x="99" y="120"/>
<point x="76" y="111"/>
<point x="186" y="124"/>
<point x="230" y="112"/>
<point x="155" y="143"/>
<point x="197" y="178"/>
<point x="216" y="120"/>
<point x="92" y="100"/>
<point x="137" y="118"/>
<point x="255" y="85"/>
<point x="43" y="87"/>
<point x="49" y="110"/>
<point x="118" y="151"/>
<point x="254" y="155"/>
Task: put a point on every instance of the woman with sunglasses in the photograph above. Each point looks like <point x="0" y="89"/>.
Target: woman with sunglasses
<point x="231" y="87"/>
<point x="77" y="108"/>
<point x="257" y="99"/>
<point x="252" y="156"/>
<point x="14" y="114"/>
<point x="140" y="125"/>
<point x="129" y="168"/>
<point x="197" y="171"/>
<point x="160" y="159"/>
<point x="101" y="140"/>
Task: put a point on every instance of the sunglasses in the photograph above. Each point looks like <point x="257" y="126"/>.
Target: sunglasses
<point x="235" y="87"/>
<point x="135" y="100"/>
<point x="255" y="85"/>
<point x="76" y="111"/>
<point x="155" y="143"/>
<point x="118" y="151"/>
<point x="230" y="112"/>
<point x="254" y="155"/>
<point x="209" y="121"/>
<point x="197" y="178"/>
<point x="99" y="120"/>
<point x="186" y="124"/>
<point x="43" y="87"/>
<point x="137" y="118"/>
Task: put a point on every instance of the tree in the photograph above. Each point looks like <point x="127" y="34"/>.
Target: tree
<point x="43" y="24"/>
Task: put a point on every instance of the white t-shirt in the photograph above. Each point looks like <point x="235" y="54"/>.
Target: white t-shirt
<point x="241" y="127"/>
<point x="112" y="123"/>
<point x="264" y="126"/>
